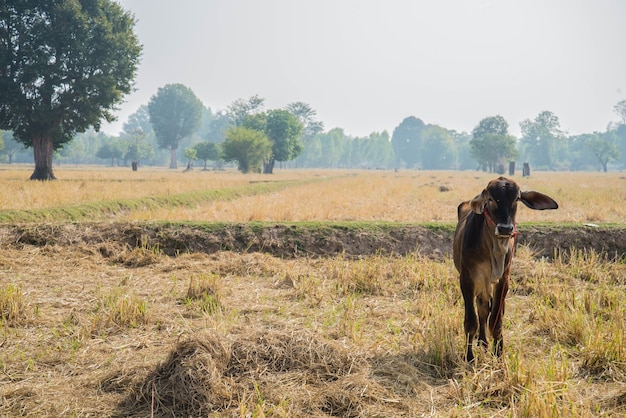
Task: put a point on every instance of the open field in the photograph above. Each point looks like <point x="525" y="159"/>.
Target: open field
<point x="99" y="323"/>
<point x="303" y="195"/>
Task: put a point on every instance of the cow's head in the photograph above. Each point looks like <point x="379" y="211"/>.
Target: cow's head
<point x="498" y="202"/>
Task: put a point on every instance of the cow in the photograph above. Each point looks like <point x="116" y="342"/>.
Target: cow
<point x="483" y="247"/>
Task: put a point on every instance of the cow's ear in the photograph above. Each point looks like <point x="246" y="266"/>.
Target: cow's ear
<point x="538" y="201"/>
<point x="478" y="203"/>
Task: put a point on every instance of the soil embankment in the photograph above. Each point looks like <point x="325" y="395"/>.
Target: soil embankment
<point x="302" y="240"/>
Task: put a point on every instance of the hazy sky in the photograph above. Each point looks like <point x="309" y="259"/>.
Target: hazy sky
<point x="365" y="65"/>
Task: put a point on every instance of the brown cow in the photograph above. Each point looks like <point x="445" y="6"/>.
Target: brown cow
<point x="484" y="243"/>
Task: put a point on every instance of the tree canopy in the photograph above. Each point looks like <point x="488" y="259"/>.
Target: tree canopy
<point x="284" y="130"/>
<point x="175" y="113"/>
<point x="249" y="147"/>
<point x="407" y="140"/>
<point x="438" y="150"/>
<point x="306" y="115"/>
<point x="206" y="151"/>
<point x="604" y="148"/>
<point x="491" y="145"/>
<point x="541" y="139"/>
<point x="65" y="65"/>
<point x="240" y="109"/>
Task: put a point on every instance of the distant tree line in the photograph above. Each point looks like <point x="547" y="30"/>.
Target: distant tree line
<point x="256" y="140"/>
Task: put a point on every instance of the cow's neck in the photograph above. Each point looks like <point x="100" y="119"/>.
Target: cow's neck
<point x="500" y="248"/>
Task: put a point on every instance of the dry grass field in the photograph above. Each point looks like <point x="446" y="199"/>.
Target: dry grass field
<point x="116" y="330"/>
<point x="323" y="195"/>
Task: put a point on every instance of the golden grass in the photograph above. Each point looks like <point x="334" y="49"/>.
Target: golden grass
<point x="107" y="330"/>
<point x="339" y="195"/>
<point x="410" y="196"/>
<point x="12" y="305"/>
<point x="86" y="184"/>
<point x="376" y="336"/>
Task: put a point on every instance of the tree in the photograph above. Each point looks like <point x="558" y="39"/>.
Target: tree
<point x="379" y="151"/>
<point x="406" y="140"/>
<point x="491" y="145"/>
<point x="438" y="150"/>
<point x="324" y="150"/>
<point x="620" y="109"/>
<point x="311" y="128"/>
<point x="206" y="151"/>
<point x="248" y="147"/>
<point x="216" y="131"/>
<point x="137" y="145"/>
<point x="114" y="150"/>
<point x="139" y="121"/>
<point x="578" y="152"/>
<point x="175" y="113"/>
<point x="191" y="154"/>
<point x="462" y="146"/>
<point x="240" y="109"/>
<point x="306" y="115"/>
<point x="64" y="66"/>
<point x="256" y="121"/>
<point x="284" y="130"/>
<point x="11" y="146"/>
<point x="604" y="148"/>
<point x="541" y="139"/>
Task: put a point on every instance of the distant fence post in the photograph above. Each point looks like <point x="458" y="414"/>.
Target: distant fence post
<point x="134" y="165"/>
<point x="511" y="168"/>
<point x="526" y="170"/>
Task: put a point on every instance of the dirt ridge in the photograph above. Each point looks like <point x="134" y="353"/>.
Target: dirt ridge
<point x="302" y="240"/>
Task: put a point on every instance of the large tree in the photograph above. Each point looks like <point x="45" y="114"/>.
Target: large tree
<point x="407" y="140"/>
<point x="438" y="150"/>
<point x="542" y="139"/>
<point x="491" y="144"/>
<point x="64" y="66"/>
<point x="175" y="113"/>
<point x="284" y="130"/>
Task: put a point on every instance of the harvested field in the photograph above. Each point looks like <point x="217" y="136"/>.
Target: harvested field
<point x="117" y="318"/>
<point x="107" y="328"/>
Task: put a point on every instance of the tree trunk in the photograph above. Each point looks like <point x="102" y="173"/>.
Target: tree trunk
<point x="268" y="167"/>
<point x="173" y="163"/>
<point x="42" y="151"/>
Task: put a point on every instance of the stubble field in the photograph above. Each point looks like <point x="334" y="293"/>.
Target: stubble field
<point x="109" y="307"/>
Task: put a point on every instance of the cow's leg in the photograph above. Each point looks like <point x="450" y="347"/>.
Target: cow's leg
<point x="497" y="312"/>
<point x="483" y="314"/>
<point x="470" y="324"/>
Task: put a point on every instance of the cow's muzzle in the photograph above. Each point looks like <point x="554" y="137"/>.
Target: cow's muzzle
<point x="505" y="230"/>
